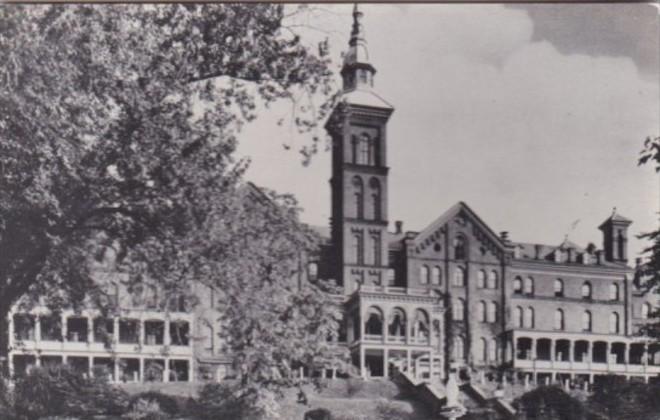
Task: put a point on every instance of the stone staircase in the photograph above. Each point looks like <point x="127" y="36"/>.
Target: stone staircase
<point x="476" y="399"/>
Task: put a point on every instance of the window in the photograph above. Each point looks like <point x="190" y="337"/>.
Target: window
<point x="375" y="198"/>
<point x="420" y="327"/>
<point x="614" y="291"/>
<point x="529" y="286"/>
<point x="483" y="350"/>
<point x="358" y="247"/>
<point x="481" y="279"/>
<point x="459" y="348"/>
<point x="559" y="319"/>
<point x="481" y="312"/>
<point x="358" y="189"/>
<point x="586" y="290"/>
<point x="354" y="147"/>
<point x="492" y="279"/>
<point x="459" y="248"/>
<point x="391" y="277"/>
<point x="312" y="270"/>
<point x="518" y="317"/>
<point x="614" y="323"/>
<point x="459" y="277"/>
<point x="492" y="312"/>
<point x="517" y="286"/>
<point x="376" y="248"/>
<point x="366" y="150"/>
<point x="436" y="275"/>
<point x="586" y="321"/>
<point x="374" y="324"/>
<point x="397" y="324"/>
<point x="646" y="310"/>
<point x="559" y="288"/>
<point x="423" y="274"/>
<point x="492" y="350"/>
<point x="458" y="310"/>
<point x="529" y="317"/>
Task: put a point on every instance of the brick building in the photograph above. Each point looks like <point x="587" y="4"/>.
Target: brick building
<point x="457" y="294"/>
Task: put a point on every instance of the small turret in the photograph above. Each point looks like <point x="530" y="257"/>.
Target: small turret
<point x="357" y="71"/>
<point x="615" y="237"/>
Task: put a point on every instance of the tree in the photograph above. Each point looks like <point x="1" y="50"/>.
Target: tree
<point x="550" y="402"/>
<point x="616" y="398"/>
<point x="117" y="127"/>
<point x="648" y="272"/>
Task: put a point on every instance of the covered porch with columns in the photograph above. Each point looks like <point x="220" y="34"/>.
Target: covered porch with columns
<point x="554" y="354"/>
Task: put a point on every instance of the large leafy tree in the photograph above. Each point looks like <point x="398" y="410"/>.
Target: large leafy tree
<point x="648" y="272"/>
<point x="117" y="127"/>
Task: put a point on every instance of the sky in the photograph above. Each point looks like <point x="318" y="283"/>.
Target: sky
<point x="533" y="114"/>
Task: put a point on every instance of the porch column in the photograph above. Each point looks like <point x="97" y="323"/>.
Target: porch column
<point x="166" y="371"/>
<point x="431" y="366"/>
<point x="10" y="364"/>
<point x="65" y="333"/>
<point x="626" y="355"/>
<point x="115" y="369"/>
<point x="90" y="364"/>
<point x="37" y="360"/>
<point x="553" y="346"/>
<point x="386" y="333"/>
<point x="608" y="349"/>
<point x="191" y="371"/>
<point x="645" y="356"/>
<point x="408" y="362"/>
<point x="37" y="328"/>
<point x="571" y="351"/>
<point x="141" y="378"/>
<point x="363" y="368"/>
<point x="115" y="330"/>
<point x="590" y="356"/>
<point x="534" y="354"/>
<point x="386" y="365"/>
<point x="141" y="330"/>
<point x="90" y="330"/>
<point x="166" y="337"/>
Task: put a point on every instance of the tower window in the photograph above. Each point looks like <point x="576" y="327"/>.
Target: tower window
<point x="529" y="286"/>
<point x="614" y="291"/>
<point x="459" y="277"/>
<point x="559" y="319"/>
<point x="424" y="275"/>
<point x="586" y="290"/>
<point x="492" y="312"/>
<point x="614" y="323"/>
<point x="559" y="288"/>
<point x="436" y="275"/>
<point x="492" y="279"/>
<point x="365" y="147"/>
<point x="529" y="317"/>
<point x="458" y="310"/>
<point x="518" y="317"/>
<point x="374" y="185"/>
<point x="358" y="189"/>
<point x="586" y="321"/>
<point x="376" y="249"/>
<point x="358" y="248"/>
<point x="481" y="279"/>
<point x="517" y="286"/>
<point x="481" y="312"/>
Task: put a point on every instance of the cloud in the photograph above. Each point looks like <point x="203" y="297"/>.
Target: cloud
<point x="532" y="137"/>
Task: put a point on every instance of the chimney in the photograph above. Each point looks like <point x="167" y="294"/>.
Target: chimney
<point x="599" y="257"/>
<point x="537" y="252"/>
<point x="398" y="227"/>
<point x="504" y="235"/>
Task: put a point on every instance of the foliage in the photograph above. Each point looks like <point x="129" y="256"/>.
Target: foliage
<point x="60" y="390"/>
<point x="117" y="128"/>
<point x="145" y="409"/>
<point x="166" y="403"/>
<point x="6" y="400"/>
<point x="354" y="386"/>
<point x="648" y="272"/>
<point x="221" y="401"/>
<point x="615" y="398"/>
<point x="550" y="402"/>
<point x="386" y="410"/>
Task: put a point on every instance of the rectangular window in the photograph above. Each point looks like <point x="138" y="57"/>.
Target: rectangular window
<point x="376" y="248"/>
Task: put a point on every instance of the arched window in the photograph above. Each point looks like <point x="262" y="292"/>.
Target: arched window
<point x="374" y="324"/>
<point x="459" y="248"/>
<point x="312" y="270"/>
<point x="436" y="275"/>
<point x="458" y="312"/>
<point x="492" y="312"/>
<point x="559" y="288"/>
<point x="358" y="191"/>
<point x="529" y="286"/>
<point x="459" y="277"/>
<point x="614" y="291"/>
<point x="366" y="150"/>
<point x="614" y="323"/>
<point x="424" y="275"/>
<point x="376" y="248"/>
<point x="481" y="279"/>
<point x="646" y="310"/>
<point x="397" y="324"/>
<point x="391" y="277"/>
<point x="209" y="335"/>
<point x="354" y="149"/>
<point x="421" y="325"/>
<point x="517" y="286"/>
<point x="586" y="290"/>
<point x="492" y="350"/>
<point x="559" y="319"/>
<point x="586" y="321"/>
<point x="358" y="247"/>
<point x="459" y="348"/>
<point x="482" y="351"/>
<point x="492" y="279"/>
<point x="374" y="185"/>
<point x="529" y="317"/>
<point x="518" y="317"/>
<point x="481" y="311"/>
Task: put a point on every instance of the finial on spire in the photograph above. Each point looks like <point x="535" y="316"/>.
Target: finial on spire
<point x="357" y="71"/>
<point x="613" y="211"/>
<point x="358" y="31"/>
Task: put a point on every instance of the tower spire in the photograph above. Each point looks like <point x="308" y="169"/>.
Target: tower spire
<point x="357" y="71"/>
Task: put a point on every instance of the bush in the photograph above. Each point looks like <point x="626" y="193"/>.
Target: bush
<point x="6" y="401"/>
<point x="166" y="403"/>
<point x="354" y="386"/>
<point x="142" y="409"/>
<point x="548" y="402"/>
<point x="385" y="410"/>
<point x="217" y="401"/>
<point x="62" y="391"/>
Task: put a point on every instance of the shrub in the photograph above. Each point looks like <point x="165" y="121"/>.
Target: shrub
<point x="166" y="403"/>
<point x="217" y="401"/>
<point x="62" y="391"/>
<point x="385" y="410"/>
<point x="6" y="401"/>
<point x="143" y="409"/>
<point x="354" y="386"/>
<point x="551" y="401"/>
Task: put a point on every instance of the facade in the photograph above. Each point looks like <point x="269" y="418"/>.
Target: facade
<point x="457" y="295"/>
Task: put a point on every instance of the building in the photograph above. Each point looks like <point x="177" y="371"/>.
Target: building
<point x="457" y="295"/>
